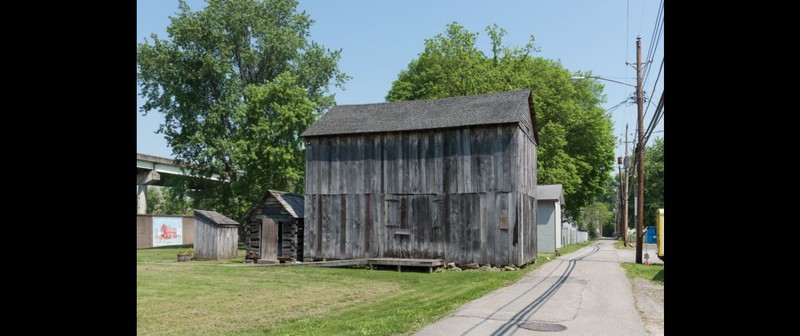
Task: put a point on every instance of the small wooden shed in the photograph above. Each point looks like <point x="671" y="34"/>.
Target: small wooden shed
<point x="275" y="227"/>
<point x="451" y="178"/>
<point x="550" y="198"/>
<point x="216" y="236"/>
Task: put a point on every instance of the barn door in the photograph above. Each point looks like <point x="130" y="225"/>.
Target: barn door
<point x="398" y="232"/>
<point x="269" y="239"/>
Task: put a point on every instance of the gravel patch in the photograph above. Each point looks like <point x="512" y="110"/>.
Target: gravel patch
<point x="650" y="304"/>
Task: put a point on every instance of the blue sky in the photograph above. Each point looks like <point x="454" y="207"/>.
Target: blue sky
<point x="379" y="38"/>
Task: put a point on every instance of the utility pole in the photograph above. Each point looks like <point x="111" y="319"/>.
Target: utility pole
<point x="639" y="152"/>
<point x="625" y="195"/>
<point x="619" y="200"/>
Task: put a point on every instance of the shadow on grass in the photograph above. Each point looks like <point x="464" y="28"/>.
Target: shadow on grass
<point x="240" y="246"/>
<point x="659" y="277"/>
<point x="184" y="246"/>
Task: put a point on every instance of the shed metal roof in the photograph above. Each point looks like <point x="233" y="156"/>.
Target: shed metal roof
<point x="215" y="217"/>
<point x="554" y="192"/>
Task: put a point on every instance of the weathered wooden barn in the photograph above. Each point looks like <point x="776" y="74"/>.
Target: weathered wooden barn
<point x="550" y="198"/>
<point x="275" y="227"/>
<point x="451" y="178"/>
<point x="216" y="236"/>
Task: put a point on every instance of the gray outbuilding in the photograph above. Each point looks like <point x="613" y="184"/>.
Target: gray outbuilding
<point x="216" y="236"/>
<point x="549" y="199"/>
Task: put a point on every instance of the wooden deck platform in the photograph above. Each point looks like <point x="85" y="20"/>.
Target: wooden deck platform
<point x="399" y="262"/>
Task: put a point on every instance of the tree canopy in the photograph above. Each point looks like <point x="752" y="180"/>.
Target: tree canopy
<point x="599" y="216"/>
<point x="653" y="180"/>
<point x="237" y="82"/>
<point x="577" y="143"/>
<point x="163" y="201"/>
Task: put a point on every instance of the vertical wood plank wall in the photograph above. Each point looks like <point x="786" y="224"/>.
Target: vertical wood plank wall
<point x="214" y="242"/>
<point x="205" y="241"/>
<point x="425" y="194"/>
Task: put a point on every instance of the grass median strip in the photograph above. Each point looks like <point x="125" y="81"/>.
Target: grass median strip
<point x="652" y="272"/>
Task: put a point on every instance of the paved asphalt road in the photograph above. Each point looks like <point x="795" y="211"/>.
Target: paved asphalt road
<point x="585" y="291"/>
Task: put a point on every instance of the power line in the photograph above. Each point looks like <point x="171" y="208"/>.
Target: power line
<point x="657" y="115"/>
<point x="616" y="106"/>
<point x="656" y="30"/>
<point x="655" y="84"/>
<point x="654" y="40"/>
<point x="653" y="54"/>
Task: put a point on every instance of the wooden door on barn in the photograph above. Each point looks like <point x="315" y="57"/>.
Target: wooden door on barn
<point x="397" y="230"/>
<point x="414" y="226"/>
<point x="269" y="239"/>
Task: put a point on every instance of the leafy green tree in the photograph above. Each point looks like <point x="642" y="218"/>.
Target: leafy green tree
<point x="237" y="83"/>
<point x="653" y="185"/>
<point x="577" y="143"/>
<point x="653" y="180"/>
<point x="610" y="197"/>
<point x="163" y="201"/>
<point x="598" y="215"/>
<point x="608" y="229"/>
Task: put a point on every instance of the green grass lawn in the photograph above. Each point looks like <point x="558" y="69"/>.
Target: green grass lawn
<point x="653" y="272"/>
<point x="574" y="247"/>
<point x="209" y="298"/>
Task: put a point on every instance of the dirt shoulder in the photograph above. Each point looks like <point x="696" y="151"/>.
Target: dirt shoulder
<point x="650" y="304"/>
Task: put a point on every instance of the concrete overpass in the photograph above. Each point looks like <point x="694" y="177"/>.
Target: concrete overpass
<point x="154" y="170"/>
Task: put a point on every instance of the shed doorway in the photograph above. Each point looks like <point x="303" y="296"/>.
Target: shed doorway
<point x="270" y="239"/>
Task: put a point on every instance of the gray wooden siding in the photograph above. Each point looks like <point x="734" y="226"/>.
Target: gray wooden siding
<point x="476" y="160"/>
<point x="525" y="164"/>
<point x="525" y="249"/>
<point x="213" y="242"/>
<point x="525" y="174"/>
<point x="227" y="242"/>
<point x="457" y="227"/>
<point x="205" y="240"/>
<point x="465" y="195"/>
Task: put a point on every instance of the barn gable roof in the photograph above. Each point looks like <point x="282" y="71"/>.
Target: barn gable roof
<point x="550" y="192"/>
<point x="215" y="217"/>
<point x="293" y="204"/>
<point x="484" y="109"/>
